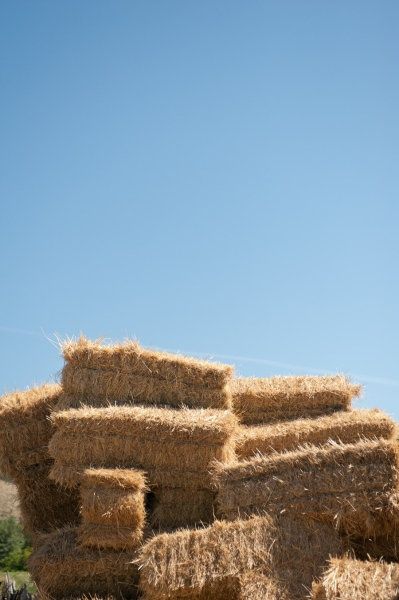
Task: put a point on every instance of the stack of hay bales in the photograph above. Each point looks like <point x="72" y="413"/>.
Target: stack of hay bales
<point x="24" y="458"/>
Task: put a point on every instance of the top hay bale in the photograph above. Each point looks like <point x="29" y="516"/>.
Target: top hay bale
<point x="126" y="373"/>
<point x="25" y="428"/>
<point x="267" y="400"/>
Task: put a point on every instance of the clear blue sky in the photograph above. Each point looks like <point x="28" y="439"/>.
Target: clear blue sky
<point x="210" y="177"/>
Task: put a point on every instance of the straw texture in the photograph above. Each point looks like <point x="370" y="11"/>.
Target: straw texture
<point x="174" y="447"/>
<point x="342" y="426"/>
<point x="348" y="579"/>
<point x="25" y="428"/>
<point x="126" y="373"/>
<point x="268" y="400"/>
<point x="113" y="510"/>
<point x="354" y="483"/>
<point x="193" y="563"/>
<point x="60" y="568"/>
<point x="182" y="507"/>
<point x="44" y="505"/>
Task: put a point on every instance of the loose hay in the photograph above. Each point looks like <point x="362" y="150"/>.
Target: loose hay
<point x="44" y="505"/>
<point x="25" y="428"/>
<point x="345" y="427"/>
<point x="206" y="563"/>
<point x="174" y="447"/>
<point x="60" y="568"/>
<point x="129" y="374"/>
<point x="113" y="510"/>
<point x="348" y="579"/>
<point x="273" y="399"/>
<point x="353" y="484"/>
<point x="182" y="507"/>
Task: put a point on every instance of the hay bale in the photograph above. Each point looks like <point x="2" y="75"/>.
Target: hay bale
<point x="351" y="483"/>
<point x="182" y="507"/>
<point x="345" y="427"/>
<point x="61" y="568"/>
<point x="348" y="579"/>
<point x="208" y="563"/>
<point x="174" y="447"/>
<point x="113" y="511"/>
<point x="376" y="547"/>
<point x="129" y="374"/>
<point x="25" y="428"/>
<point x="44" y="505"/>
<point x="268" y="400"/>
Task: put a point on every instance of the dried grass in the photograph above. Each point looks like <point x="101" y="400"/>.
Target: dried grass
<point x="113" y="509"/>
<point x="207" y="562"/>
<point x="174" y="447"/>
<point x="44" y="505"/>
<point x="25" y="428"/>
<point x="353" y="484"/>
<point x="273" y="399"/>
<point x="182" y="507"/>
<point x="343" y="426"/>
<point x="60" y="568"/>
<point x="348" y="579"/>
<point x="129" y="374"/>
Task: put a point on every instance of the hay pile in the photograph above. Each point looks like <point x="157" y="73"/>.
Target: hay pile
<point x="25" y="433"/>
<point x="143" y="443"/>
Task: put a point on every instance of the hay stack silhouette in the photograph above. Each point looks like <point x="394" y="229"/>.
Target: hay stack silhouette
<point x="146" y="442"/>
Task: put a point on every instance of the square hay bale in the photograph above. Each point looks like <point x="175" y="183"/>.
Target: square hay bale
<point x="182" y="507"/>
<point x="61" y="568"/>
<point x="268" y="400"/>
<point x="342" y="426"/>
<point x="113" y="509"/>
<point x="95" y="374"/>
<point x="354" y="484"/>
<point x="45" y="505"/>
<point x="348" y="579"/>
<point x="25" y="428"/>
<point x="174" y="447"/>
<point x="208" y="563"/>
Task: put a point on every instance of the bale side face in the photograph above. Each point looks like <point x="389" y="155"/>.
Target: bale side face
<point x="187" y="562"/>
<point x="60" y="568"/>
<point x="346" y="427"/>
<point x="268" y="400"/>
<point x="349" y="481"/>
<point x="182" y="507"/>
<point x="25" y="428"/>
<point x="349" y="579"/>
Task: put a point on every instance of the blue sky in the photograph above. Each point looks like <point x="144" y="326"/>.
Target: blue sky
<point x="214" y="178"/>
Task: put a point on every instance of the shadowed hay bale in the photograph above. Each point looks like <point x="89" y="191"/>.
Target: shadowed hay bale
<point x="193" y="563"/>
<point x="181" y="507"/>
<point x="346" y="427"/>
<point x="127" y="373"/>
<point x="348" y="579"/>
<point x="273" y="399"/>
<point x="354" y="484"/>
<point x="113" y="511"/>
<point x="45" y="505"/>
<point x="25" y="428"/>
<point x="60" y="568"/>
<point x="174" y="447"/>
<point x="378" y="547"/>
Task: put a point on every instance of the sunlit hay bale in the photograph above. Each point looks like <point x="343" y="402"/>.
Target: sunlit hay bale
<point x="95" y="374"/>
<point x="348" y="579"/>
<point x="44" y="504"/>
<point x="182" y="507"/>
<point x="206" y="563"/>
<point x="113" y="509"/>
<point x="61" y="568"/>
<point x="268" y="400"/>
<point x="174" y="447"/>
<point x="354" y="484"/>
<point x="345" y="427"/>
<point x="25" y="428"/>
